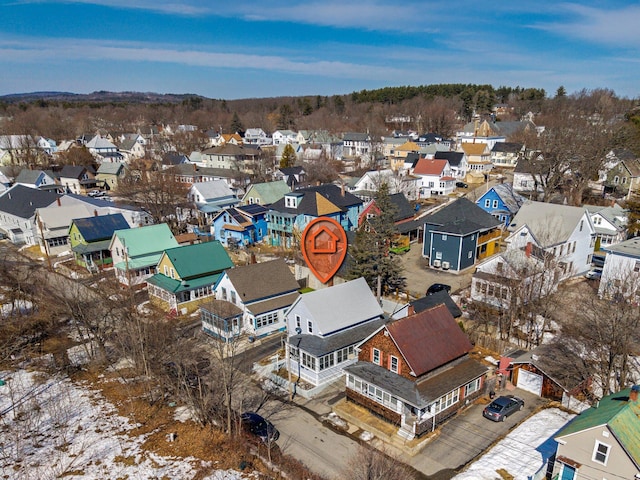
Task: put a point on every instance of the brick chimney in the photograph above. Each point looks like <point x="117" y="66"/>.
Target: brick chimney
<point x="633" y="394"/>
<point x="528" y="249"/>
<point x="410" y="310"/>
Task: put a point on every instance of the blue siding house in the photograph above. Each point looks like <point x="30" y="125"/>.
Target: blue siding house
<point x="501" y="202"/>
<point x="459" y="235"/>
<point x="292" y="213"/>
<point x="241" y="226"/>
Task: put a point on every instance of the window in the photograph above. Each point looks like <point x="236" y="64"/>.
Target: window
<point x="224" y="293"/>
<point x="393" y="364"/>
<point x="309" y="326"/>
<point x="376" y="356"/>
<point x="308" y="361"/>
<point x="636" y="267"/>
<point x="495" y="204"/>
<point x="173" y="273"/>
<point x="166" y="271"/>
<point x="444" y="237"/>
<point x="487" y="203"/>
<point x="438" y="255"/>
<point x="469" y="254"/>
<point x="616" y="179"/>
<point x="601" y="452"/>
<point x="298" y="322"/>
<point x="233" y="296"/>
<point x="267" y="319"/>
<point x="445" y="402"/>
<point x="343" y="354"/>
<point x="472" y="387"/>
<point x="327" y="361"/>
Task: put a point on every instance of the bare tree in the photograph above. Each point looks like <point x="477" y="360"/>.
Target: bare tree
<point x="607" y="333"/>
<point x="371" y="464"/>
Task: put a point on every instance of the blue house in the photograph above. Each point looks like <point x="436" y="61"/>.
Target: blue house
<point x="292" y="213"/>
<point x="241" y="226"/>
<point x="459" y="235"/>
<point x="501" y="202"/>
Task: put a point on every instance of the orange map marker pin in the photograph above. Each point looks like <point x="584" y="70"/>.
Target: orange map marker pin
<point x="324" y="247"/>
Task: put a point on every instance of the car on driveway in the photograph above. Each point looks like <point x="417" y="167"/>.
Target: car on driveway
<point x="594" y="274"/>
<point x="438" y="287"/>
<point x="259" y="426"/>
<point x="502" y="407"/>
<point x="461" y="185"/>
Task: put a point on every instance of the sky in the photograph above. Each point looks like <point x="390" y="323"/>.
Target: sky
<point x="271" y="48"/>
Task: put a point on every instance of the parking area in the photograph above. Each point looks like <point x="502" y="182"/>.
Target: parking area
<point x="420" y="277"/>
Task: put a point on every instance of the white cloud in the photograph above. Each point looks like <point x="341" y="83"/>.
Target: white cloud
<point x="617" y="27"/>
<point x="58" y="50"/>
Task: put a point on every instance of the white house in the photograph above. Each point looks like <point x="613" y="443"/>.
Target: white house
<point x="435" y="177"/>
<point x="621" y="272"/>
<point x="214" y="196"/>
<point x="282" y="137"/>
<point x="324" y="327"/>
<point x="357" y="145"/>
<point x="261" y="291"/>
<point x="367" y="185"/>
<point x="256" y="136"/>
<point x="18" y="210"/>
<point x="563" y="231"/>
<point x="610" y="223"/>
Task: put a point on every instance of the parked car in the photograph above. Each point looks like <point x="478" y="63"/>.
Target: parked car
<point x="502" y="407"/>
<point x="594" y="274"/>
<point x="461" y="185"/>
<point x="259" y="426"/>
<point x="438" y="287"/>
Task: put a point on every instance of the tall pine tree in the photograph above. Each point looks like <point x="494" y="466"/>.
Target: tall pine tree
<point x="370" y="252"/>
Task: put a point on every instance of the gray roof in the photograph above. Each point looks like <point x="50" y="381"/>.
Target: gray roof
<point x="437" y="298"/>
<point x="319" y="346"/>
<point x="22" y="201"/>
<point x="30" y="177"/>
<point x="628" y="248"/>
<point x="614" y="214"/>
<point x="462" y="217"/>
<point x="270" y="192"/>
<point x="511" y="198"/>
<point x="423" y="392"/>
<point x="341" y="306"/>
<point x="110" y="168"/>
<point x="557" y="361"/>
<point x="549" y="223"/>
<point x="356" y="137"/>
<point x="214" y="189"/>
<point x="259" y="281"/>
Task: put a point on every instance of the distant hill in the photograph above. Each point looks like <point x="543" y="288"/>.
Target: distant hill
<point x="99" y="97"/>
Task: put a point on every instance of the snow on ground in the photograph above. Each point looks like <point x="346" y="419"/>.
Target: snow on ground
<point x="50" y="426"/>
<point x="523" y="451"/>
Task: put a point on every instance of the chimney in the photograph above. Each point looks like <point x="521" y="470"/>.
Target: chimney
<point x="253" y="258"/>
<point x="342" y="189"/>
<point x="95" y="213"/>
<point x="58" y="202"/>
<point x="633" y="394"/>
<point x="527" y="249"/>
<point x="410" y="310"/>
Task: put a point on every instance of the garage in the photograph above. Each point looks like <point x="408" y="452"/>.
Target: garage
<point x="529" y="381"/>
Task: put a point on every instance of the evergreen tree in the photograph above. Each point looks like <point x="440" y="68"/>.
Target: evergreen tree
<point x="370" y="251"/>
<point x="236" y="124"/>
<point x="288" y="158"/>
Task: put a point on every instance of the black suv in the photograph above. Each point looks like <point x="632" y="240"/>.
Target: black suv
<point x="438" y="287"/>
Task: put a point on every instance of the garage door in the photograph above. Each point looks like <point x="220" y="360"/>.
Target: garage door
<point x="531" y="382"/>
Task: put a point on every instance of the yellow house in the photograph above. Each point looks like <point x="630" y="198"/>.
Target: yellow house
<point x="186" y="276"/>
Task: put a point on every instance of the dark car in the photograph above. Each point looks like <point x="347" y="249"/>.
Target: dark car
<point x="461" y="185"/>
<point x="502" y="407"/>
<point x="438" y="287"/>
<point x="259" y="426"/>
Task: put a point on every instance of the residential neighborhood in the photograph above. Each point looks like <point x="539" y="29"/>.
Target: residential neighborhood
<point x="476" y="272"/>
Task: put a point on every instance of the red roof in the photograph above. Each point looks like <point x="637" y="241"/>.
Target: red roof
<point x="429" y="167"/>
<point x="429" y="339"/>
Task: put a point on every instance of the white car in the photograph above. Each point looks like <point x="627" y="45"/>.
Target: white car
<point x="593" y="274"/>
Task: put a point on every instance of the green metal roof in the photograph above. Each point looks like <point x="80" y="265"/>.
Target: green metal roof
<point x="200" y="259"/>
<point x="619" y="414"/>
<point x="140" y="262"/>
<point x="176" y="286"/>
<point x="148" y="239"/>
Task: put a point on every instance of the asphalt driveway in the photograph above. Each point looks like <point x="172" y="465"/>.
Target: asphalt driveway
<point x="467" y="435"/>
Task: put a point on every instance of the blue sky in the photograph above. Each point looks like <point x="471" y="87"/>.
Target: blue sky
<point x="271" y="48"/>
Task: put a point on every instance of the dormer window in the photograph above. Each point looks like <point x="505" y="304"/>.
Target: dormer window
<point x="292" y="201"/>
